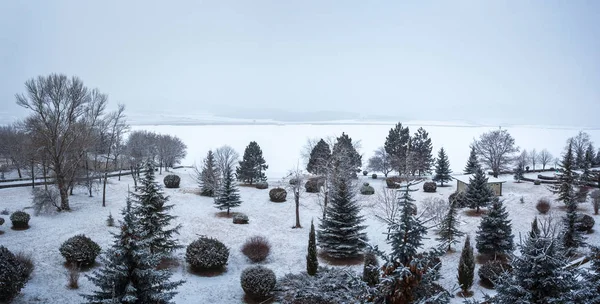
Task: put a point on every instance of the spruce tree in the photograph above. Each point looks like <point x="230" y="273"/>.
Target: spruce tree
<point x="228" y="195"/>
<point x="494" y="235"/>
<point x="312" y="262"/>
<point x="420" y="148"/>
<point x="344" y="150"/>
<point x="478" y="192"/>
<point x="209" y="177"/>
<point x="319" y="158"/>
<point x="252" y="167"/>
<point x="466" y="268"/>
<point x="572" y="237"/>
<point x="519" y="171"/>
<point x="592" y="277"/>
<point x="566" y="178"/>
<point x="442" y="168"/>
<point x="472" y="163"/>
<point x="129" y="274"/>
<point x="597" y="159"/>
<point x="535" y="229"/>
<point x="371" y="269"/>
<point x="396" y="145"/>
<point x="153" y="214"/>
<point x="449" y="232"/>
<point x="407" y="232"/>
<point x="588" y="162"/>
<point x="341" y="233"/>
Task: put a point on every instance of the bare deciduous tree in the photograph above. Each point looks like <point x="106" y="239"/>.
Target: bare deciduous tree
<point x="533" y="158"/>
<point x="381" y="162"/>
<point x="545" y="158"/>
<point x="297" y="188"/>
<point x="495" y="149"/>
<point x="116" y="128"/>
<point x="226" y="158"/>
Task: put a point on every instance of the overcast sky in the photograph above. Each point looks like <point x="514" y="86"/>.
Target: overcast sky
<point x="482" y="61"/>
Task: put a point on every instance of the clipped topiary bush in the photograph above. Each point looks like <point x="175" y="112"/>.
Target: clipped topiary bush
<point x="374" y="176"/>
<point x="543" y="205"/>
<point x="1" y="221"/>
<point x="371" y="269"/>
<point x="262" y="185"/>
<point x="257" y="248"/>
<point x="459" y="199"/>
<point x="80" y="250"/>
<point x="537" y="182"/>
<point x="240" y="218"/>
<point x="277" y="195"/>
<point x="491" y="271"/>
<point x="172" y="181"/>
<point x="366" y="189"/>
<point x="394" y="182"/>
<point x="258" y="282"/>
<point x="365" y="173"/>
<point x="429" y="187"/>
<point x="595" y="195"/>
<point x="20" y="219"/>
<point x="206" y="254"/>
<point x="13" y="275"/>
<point x="314" y="184"/>
<point x="585" y="222"/>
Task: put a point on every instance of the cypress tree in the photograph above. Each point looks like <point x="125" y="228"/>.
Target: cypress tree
<point x="319" y="158"/>
<point x="253" y="165"/>
<point x="228" y="195"/>
<point x="472" y="163"/>
<point x="129" y="274"/>
<point x="466" y="268"/>
<point x="494" y="235"/>
<point x="153" y="214"/>
<point x="341" y="233"/>
<point x="312" y="262"/>
<point x="396" y="145"/>
<point x="449" y="232"/>
<point x="442" y="168"/>
<point x="478" y="192"/>
<point x="209" y="177"/>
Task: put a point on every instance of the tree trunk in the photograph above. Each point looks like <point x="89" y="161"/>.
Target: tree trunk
<point x="63" y="188"/>
<point x="87" y="174"/>
<point x="297" y="199"/>
<point x="45" y="173"/>
<point x="104" y="189"/>
<point x="32" y="176"/>
<point x="19" y="171"/>
<point x="134" y="178"/>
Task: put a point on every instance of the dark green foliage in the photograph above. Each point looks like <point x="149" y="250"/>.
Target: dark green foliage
<point x="519" y="171"/>
<point x="472" y="162"/>
<point x="459" y="199"/>
<point x="491" y="271"/>
<point x="313" y="185"/>
<point x="277" y="195"/>
<point x="442" y="168"/>
<point x="394" y="182"/>
<point x="494" y="235"/>
<point x="206" y="254"/>
<point x="537" y="182"/>
<point x="365" y="173"/>
<point x="153" y="216"/>
<point x="110" y="221"/>
<point x="421" y="159"/>
<point x="252" y="166"/>
<point x="129" y="274"/>
<point x="312" y="262"/>
<point x="262" y="185"/>
<point x="396" y="145"/>
<point x="588" y="162"/>
<point x="565" y="187"/>
<point x="319" y="158"/>
<point x="1" y="221"/>
<point x="228" y="195"/>
<point x="466" y="267"/>
<point x="209" y="176"/>
<point x="371" y="269"/>
<point x="429" y="187"/>
<point x="344" y="152"/>
<point x="449" y="232"/>
<point x="240" y="218"/>
<point x="585" y="223"/>
<point x="172" y="181"/>
<point x="374" y="176"/>
<point x="341" y="233"/>
<point x="20" y="219"/>
<point x="367" y="189"/>
<point x="592" y="277"/>
<point x="535" y="229"/>
<point x="258" y="282"/>
<point x="478" y="193"/>
<point x="572" y="236"/>
<point x="80" y="250"/>
<point x="13" y="275"/>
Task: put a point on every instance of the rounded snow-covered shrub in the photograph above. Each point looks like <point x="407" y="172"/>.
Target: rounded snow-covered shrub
<point x="80" y="250"/>
<point x="206" y="254"/>
<point x="13" y="275"/>
<point x="429" y="187"/>
<point x="365" y="173"/>
<point x="491" y="271"/>
<point x="366" y="189"/>
<point x="262" y="185"/>
<point x="585" y="222"/>
<point x="277" y="195"/>
<point x="172" y="181"/>
<point x="1" y="221"/>
<point x="394" y="182"/>
<point x="258" y="282"/>
<point x="314" y="184"/>
<point x="20" y="219"/>
<point x="459" y="199"/>
<point x="240" y="218"/>
<point x="257" y="248"/>
<point x="537" y="182"/>
<point x="374" y="176"/>
<point x="543" y="205"/>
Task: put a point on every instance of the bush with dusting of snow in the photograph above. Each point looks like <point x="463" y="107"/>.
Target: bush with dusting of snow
<point x="206" y="254"/>
<point x="13" y="275"/>
<point x="258" y="282"/>
<point x="172" y="181"/>
<point x="80" y="250"/>
<point x="329" y="285"/>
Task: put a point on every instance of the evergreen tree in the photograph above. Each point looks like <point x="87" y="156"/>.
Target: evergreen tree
<point x="592" y="277"/>
<point x="539" y="275"/>
<point x="466" y="268"/>
<point x="588" y="162"/>
<point x="494" y="235"/>
<point x="312" y="262"/>
<point x="478" y="192"/>
<point x="519" y="171"/>
<point x="407" y="232"/>
<point x="396" y="145"/>
<point x="209" y="177"/>
<point x="228" y="195"/>
<point x="597" y="159"/>
<point x="420" y="150"/>
<point x="566" y="178"/>
<point x="341" y="233"/>
<point x="472" y="163"/>
<point x="252" y="166"/>
<point x="319" y="158"/>
<point x="535" y="229"/>
<point x="371" y="269"/>
<point x="572" y="237"/>
<point x="153" y="214"/>
<point x="449" y="232"/>
<point x="442" y="168"/>
<point x="129" y="274"/>
<point x="344" y="150"/>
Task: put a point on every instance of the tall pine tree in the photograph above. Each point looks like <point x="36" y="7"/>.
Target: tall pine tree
<point x="341" y="233"/>
<point x="209" y="176"/>
<point x="344" y="150"/>
<point x="396" y="145"/>
<point x="129" y="274"/>
<point x="566" y="177"/>
<point x="319" y="158"/>
<point x="592" y="277"/>
<point x="312" y="262"/>
<point x="466" y="268"/>
<point x="153" y="214"/>
<point x="519" y="171"/>
<point x="228" y="195"/>
<point x="588" y="162"/>
<point x="442" y="168"/>
<point x="494" y="235"/>
<point x="472" y="162"/>
<point x="478" y="194"/>
<point x="449" y="232"/>
<point x="252" y="167"/>
<point x="420" y="151"/>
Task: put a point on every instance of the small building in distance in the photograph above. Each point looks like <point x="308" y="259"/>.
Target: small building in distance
<point x="462" y="182"/>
